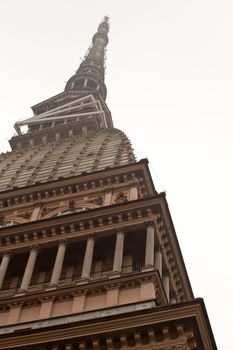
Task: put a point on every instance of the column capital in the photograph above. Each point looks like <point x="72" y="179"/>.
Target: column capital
<point x="173" y="294"/>
<point x="147" y="279"/>
<point x="62" y="241"/>
<point x="47" y="298"/>
<point x="166" y="273"/>
<point x="35" y="247"/>
<point x="92" y="236"/>
<point x="79" y="293"/>
<point x="109" y="189"/>
<point x="7" y="252"/>
<point x="150" y="223"/>
<point x="38" y="204"/>
<point x="15" y="304"/>
<point x="112" y="286"/>
<point x="133" y="182"/>
<point x="120" y="229"/>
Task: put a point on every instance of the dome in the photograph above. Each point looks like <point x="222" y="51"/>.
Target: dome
<point x="68" y="157"/>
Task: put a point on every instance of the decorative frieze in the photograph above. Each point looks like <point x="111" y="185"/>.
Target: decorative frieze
<point x="70" y="186"/>
<point x="72" y="227"/>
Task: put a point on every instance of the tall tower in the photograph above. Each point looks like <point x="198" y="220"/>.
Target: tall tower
<point x="90" y="257"/>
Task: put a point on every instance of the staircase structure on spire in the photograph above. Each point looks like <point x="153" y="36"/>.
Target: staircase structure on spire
<point x="90" y="259"/>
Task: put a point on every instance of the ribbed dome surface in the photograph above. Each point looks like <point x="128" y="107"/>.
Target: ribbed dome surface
<point x="107" y="148"/>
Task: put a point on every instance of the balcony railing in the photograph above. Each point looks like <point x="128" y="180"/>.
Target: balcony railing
<point x="68" y="280"/>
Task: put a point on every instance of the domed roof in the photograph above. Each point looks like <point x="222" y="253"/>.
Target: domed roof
<point x="68" y="157"/>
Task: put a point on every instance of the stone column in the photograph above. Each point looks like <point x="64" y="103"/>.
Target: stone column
<point x="119" y="248"/>
<point x="4" y="265"/>
<point x="150" y="242"/>
<point x="166" y="285"/>
<point x="108" y="197"/>
<point x="127" y="263"/>
<point x="87" y="262"/>
<point x="158" y="262"/>
<point x="133" y="192"/>
<point x="36" y="212"/>
<point x="29" y="268"/>
<point x="57" y="268"/>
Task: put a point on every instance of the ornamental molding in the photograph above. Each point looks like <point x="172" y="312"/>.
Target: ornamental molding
<point x="181" y="316"/>
<point x="75" y="184"/>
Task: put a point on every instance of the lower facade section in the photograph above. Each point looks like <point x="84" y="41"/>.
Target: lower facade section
<point x="86" y="298"/>
<point x="183" y="326"/>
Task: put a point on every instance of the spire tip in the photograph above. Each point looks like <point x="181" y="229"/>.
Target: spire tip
<point x="104" y="23"/>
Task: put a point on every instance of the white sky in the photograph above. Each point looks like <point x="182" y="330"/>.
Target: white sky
<point x="170" y="88"/>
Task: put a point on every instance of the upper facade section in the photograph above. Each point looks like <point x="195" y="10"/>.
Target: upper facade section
<point x="79" y="109"/>
<point x="70" y="133"/>
<point x="63" y="116"/>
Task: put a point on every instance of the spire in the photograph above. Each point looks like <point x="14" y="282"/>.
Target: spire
<point x="80" y="109"/>
<point x="90" y="74"/>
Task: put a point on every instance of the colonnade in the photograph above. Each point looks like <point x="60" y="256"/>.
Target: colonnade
<point x="152" y="259"/>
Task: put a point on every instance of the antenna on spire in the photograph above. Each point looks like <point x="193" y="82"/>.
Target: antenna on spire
<point x="104" y="24"/>
<point x="106" y="19"/>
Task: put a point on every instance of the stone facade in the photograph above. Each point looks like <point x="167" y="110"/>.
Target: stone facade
<point x="90" y="257"/>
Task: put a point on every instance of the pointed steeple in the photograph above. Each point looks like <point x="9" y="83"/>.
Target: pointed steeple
<point x="90" y="74"/>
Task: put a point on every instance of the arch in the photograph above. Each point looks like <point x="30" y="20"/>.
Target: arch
<point x="14" y="219"/>
<point x="66" y="207"/>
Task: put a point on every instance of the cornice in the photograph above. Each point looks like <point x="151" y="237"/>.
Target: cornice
<point x="77" y="179"/>
<point x="174" y="244"/>
<point x="88" y="287"/>
<point x="84" y="215"/>
<point x="191" y="312"/>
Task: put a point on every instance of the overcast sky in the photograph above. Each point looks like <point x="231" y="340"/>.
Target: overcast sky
<point x="170" y="87"/>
